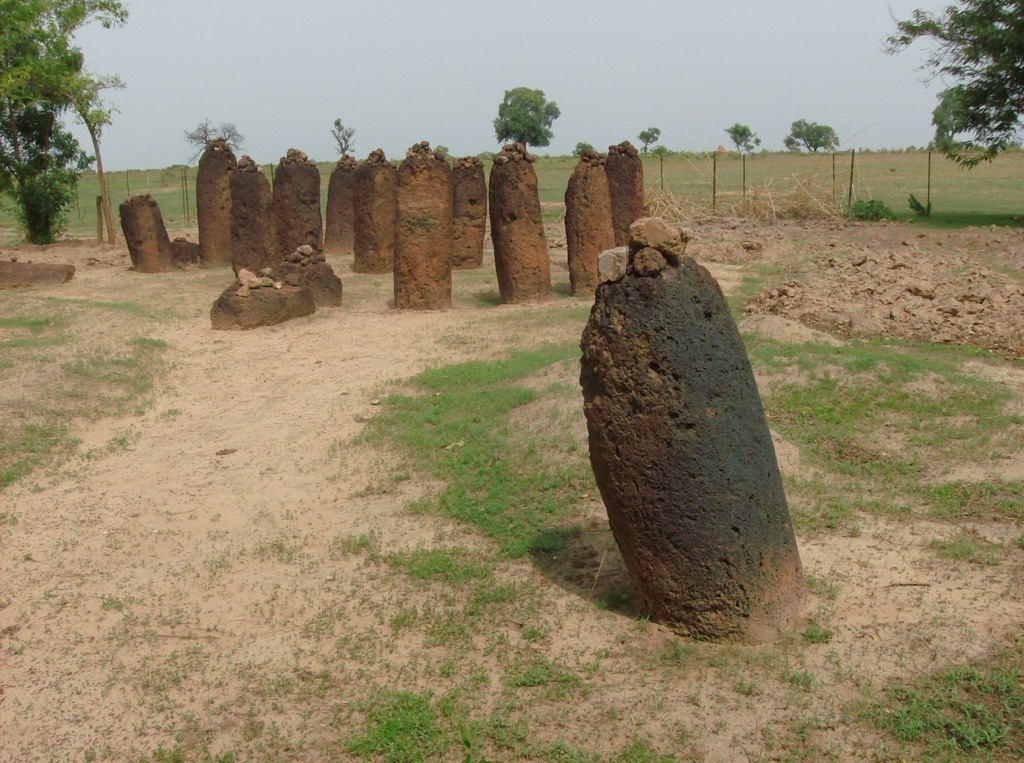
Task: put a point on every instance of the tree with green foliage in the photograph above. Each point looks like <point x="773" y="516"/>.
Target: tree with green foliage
<point x="810" y="135"/>
<point x="525" y="116"/>
<point x="581" y="147"/>
<point x="41" y="78"/>
<point x="660" y="151"/>
<point x="743" y="138"/>
<point x="345" y="137"/>
<point x="649" y="137"/>
<point x="978" y="46"/>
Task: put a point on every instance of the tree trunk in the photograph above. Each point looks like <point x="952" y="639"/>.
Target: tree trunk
<point x="108" y="218"/>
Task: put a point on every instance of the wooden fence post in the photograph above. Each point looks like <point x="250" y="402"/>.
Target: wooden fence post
<point x="849" y="195"/>
<point x="99" y="220"/>
<point x="928" y="197"/>
<point x="714" y="180"/>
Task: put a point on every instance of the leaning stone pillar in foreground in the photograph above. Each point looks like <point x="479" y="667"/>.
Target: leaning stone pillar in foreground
<point x="520" y="246"/>
<point x="297" y="204"/>
<point x="625" y="172"/>
<point x="469" y="214"/>
<point x="213" y="203"/>
<point x="338" y="231"/>
<point x="253" y="233"/>
<point x="375" y="210"/>
<point x="148" y="243"/>
<point x="423" y="264"/>
<point x="588" y="222"/>
<point x="681" y="450"/>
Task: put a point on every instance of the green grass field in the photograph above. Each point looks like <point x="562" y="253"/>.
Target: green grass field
<point x="988" y="194"/>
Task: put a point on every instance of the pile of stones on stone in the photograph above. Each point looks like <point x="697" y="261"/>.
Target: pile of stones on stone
<point x="468" y="162"/>
<point x="423" y="149"/>
<point x="514" y="152"/>
<point x="305" y="256"/>
<point x="624" y="149"/>
<point x="294" y="156"/>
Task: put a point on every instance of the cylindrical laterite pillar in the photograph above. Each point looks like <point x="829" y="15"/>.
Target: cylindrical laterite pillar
<point x="297" y="204"/>
<point x="625" y="172"/>
<point x="253" y="233"/>
<point x="375" y="211"/>
<point x="143" y="226"/>
<point x="213" y="203"/>
<point x="588" y="222"/>
<point x="469" y="214"/>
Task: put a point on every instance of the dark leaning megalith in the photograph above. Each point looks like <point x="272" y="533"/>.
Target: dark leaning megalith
<point x="253" y="233"/>
<point x="588" y="221"/>
<point x="423" y="265"/>
<point x="469" y="214"/>
<point x="375" y="211"/>
<point x="213" y="203"/>
<point x="625" y="172"/>
<point x="520" y="246"/>
<point x="297" y="204"/>
<point x="681" y="450"/>
<point x="338" y="227"/>
<point x="148" y="243"/>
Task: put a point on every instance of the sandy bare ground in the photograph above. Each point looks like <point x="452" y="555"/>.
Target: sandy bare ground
<point x="188" y="586"/>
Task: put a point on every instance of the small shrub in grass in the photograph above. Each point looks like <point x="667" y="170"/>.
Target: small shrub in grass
<point x="399" y="726"/>
<point x="918" y="208"/>
<point x="871" y="209"/>
<point x="816" y="633"/>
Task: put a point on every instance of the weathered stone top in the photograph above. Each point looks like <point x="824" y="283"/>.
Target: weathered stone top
<point x="294" y="156"/>
<point x="624" y="149"/>
<point x="377" y="158"/>
<point x="655" y="245"/>
<point x="347" y="163"/>
<point x="590" y="156"/>
<point x="422" y="150"/>
<point x="469" y="161"/>
<point x="246" y="164"/>
<point x="514" y="152"/>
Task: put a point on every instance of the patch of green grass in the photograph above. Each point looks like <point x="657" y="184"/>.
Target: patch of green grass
<point x="400" y="726"/>
<point x="341" y="545"/>
<point x="454" y="566"/>
<point x="878" y="416"/>
<point x="965" y="713"/>
<point x="537" y="671"/>
<point x="456" y="430"/>
<point x="96" y="383"/>
<point x="674" y="653"/>
<point x="988" y="499"/>
<point x="816" y="633"/>
<point x="968" y="547"/>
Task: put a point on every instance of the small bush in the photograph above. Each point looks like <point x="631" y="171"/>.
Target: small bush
<point x="871" y="209"/>
<point x="918" y="208"/>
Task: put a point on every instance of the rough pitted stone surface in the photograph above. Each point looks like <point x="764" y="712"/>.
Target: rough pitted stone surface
<point x="297" y="203"/>
<point x="260" y="300"/>
<point x="625" y="173"/>
<point x="588" y="221"/>
<point x="683" y="455"/>
<point x="16" y="275"/>
<point x="338" y="227"/>
<point x="213" y="203"/>
<point x="520" y="246"/>
<point x="423" y="266"/>
<point x="375" y="214"/>
<point x="185" y="252"/>
<point x="143" y="226"/>
<point x="253" y="233"/>
<point x="305" y="267"/>
<point x="469" y="214"/>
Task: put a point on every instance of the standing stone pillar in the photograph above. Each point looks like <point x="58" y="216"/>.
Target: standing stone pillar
<point x="338" y="227"/>
<point x="253" y="233"/>
<point x="625" y="173"/>
<point x="148" y="243"/>
<point x="297" y="204"/>
<point x="588" y="222"/>
<point x="469" y="214"/>
<point x="520" y="246"/>
<point x="213" y="203"/>
<point x="681" y="450"/>
<point x="423" y="264"/>
<point x="374" y="214"/>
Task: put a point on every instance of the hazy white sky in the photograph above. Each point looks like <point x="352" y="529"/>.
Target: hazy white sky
<point x="401" y="71"/>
